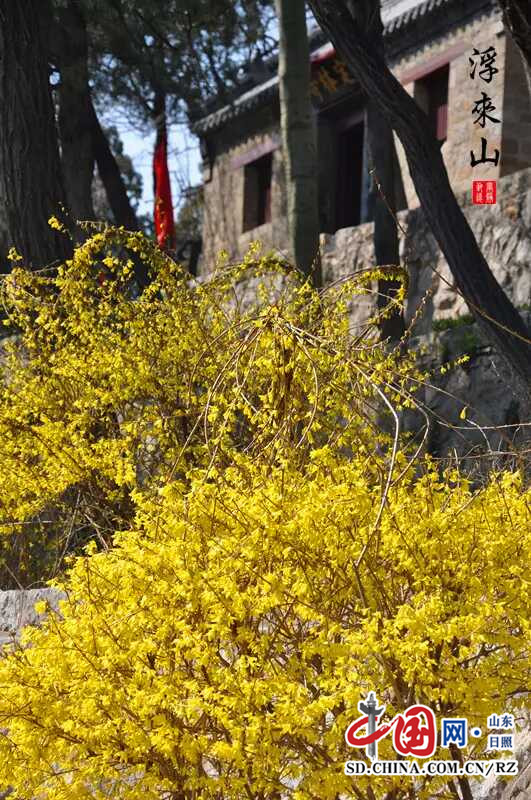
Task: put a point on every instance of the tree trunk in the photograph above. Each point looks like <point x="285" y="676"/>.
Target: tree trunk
<point x="299" y="137"/>
<point x="115" y="190"/>
<point x="383" y="157"/>
<point x="473" y="277"/>
<point x="386" y="245"/>
<point x="30" y="172"/>
<point x="77" y="151"/>
<point x="517" y="19"/>
<point x="111" y="177"/>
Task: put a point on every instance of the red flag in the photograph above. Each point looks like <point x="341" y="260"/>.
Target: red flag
<point x="164" y="229"/>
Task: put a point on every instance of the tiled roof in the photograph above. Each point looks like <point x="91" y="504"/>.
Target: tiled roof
<point x="399" y="17"/>
<point x="245" y="102"/>
<point x="411" y="12"/>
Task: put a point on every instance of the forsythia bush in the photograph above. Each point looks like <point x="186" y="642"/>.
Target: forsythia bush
<point x="262" y="548"/>
<point x="102" y="394"/>
<point x="220" y="649"/>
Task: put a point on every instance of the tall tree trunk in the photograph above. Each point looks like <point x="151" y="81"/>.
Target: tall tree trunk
<point x="111" y="177"/>
<point x="386" y="244"/>
<point x="112" y="180"/>
<point x="299" y="137"/>
<point x="383" y="157"/>
<point x="517" y="19"/>
<point x="30" y="172"/>
<point x="485" y="297"/>
<point x="77" y="151"/>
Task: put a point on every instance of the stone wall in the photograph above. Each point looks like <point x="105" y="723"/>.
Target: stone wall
<point x="463" y="135"/>
<point x="17" y="609"/>
<point x="518" y="788"/>
<point x="224" y="191"/>
<point x="510" y="95"/>
<point x="516" y="130"/>
<point x="444" y="328"/>
<point x="503" y="232"/>
<point x="504" y="235"/>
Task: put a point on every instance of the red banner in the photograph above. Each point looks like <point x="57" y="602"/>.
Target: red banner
<point x="163" y="214"/>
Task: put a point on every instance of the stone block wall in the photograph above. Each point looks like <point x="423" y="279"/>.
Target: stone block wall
<point x="503" y="232"/>
<point x="224" y="191"/>
<point x="17" y="609"/>
<point x="516" y="131"/>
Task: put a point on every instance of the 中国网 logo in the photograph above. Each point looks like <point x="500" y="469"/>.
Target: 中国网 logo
<point x="414" y="734"/>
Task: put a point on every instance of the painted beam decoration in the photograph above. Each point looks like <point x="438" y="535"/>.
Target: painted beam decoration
<point x="330" y="77"/>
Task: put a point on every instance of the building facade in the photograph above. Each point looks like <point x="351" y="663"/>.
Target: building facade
<point x="453" y="56"/>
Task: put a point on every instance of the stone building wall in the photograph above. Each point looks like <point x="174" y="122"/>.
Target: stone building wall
<point x="224" y="190"/>
<point x="516" y="141"/>
<point x="224" y="182"/>
<point x="503" y="232"/>
<point x="504" y="236"/>
<point x="443" y="331"/>
<point x="463" y="135"/>
<point x="508" y="90"/>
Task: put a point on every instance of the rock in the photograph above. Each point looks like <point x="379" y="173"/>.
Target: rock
<point x="17" y="609"/>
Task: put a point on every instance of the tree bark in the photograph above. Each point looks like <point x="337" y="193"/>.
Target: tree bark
<point x="517" y="19"/>
<point x="31" y="188"/>
<point x="386" y="244"/>
<point x="487" y="301"/>
<point x="77" y="150"/>
<point x="111" y="177"/>
<point x="299" y="137"/>
<point x="383" y="157"/>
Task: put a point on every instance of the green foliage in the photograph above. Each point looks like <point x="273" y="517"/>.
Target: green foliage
<point x="189" y="50"/>
<point x="449" y="323"/>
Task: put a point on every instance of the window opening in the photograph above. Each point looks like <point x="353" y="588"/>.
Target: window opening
<point x="257" y="192"/>
<point x="431" y="93"/>
<point x="349" y="176"/>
